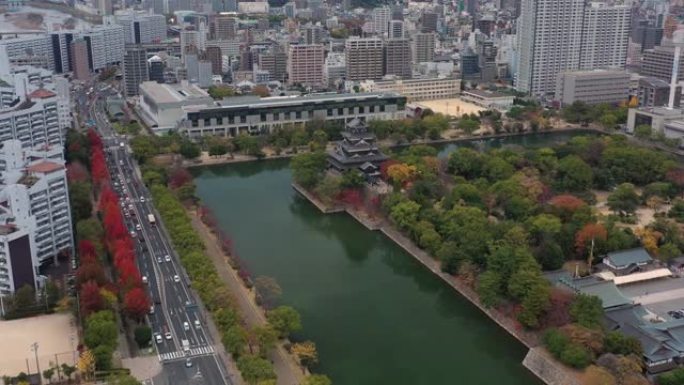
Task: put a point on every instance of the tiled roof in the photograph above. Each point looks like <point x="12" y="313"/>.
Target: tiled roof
<point x="45" y="167"/>
<point x="41" y="93"/>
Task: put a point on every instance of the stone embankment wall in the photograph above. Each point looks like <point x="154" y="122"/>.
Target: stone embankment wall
<point x="547" y="369"/>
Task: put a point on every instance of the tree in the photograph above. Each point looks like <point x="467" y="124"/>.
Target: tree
<point x="557" y="313"/>
<point x="643" y="131"/>
<point x="405" y="214"/>
<point x="574" y="174"/>
<point x="261" y="90"/>
<point x="217" y="147"/>
<point x="401" y="173"/>
<point x="465" y="162"/>
<point x="624" y="199"/>
<point x="329" y="188"/>
<point x="317" y="379"/>
<point x="468" y="125"/>
<point x="586" y="238"/>
<point x="103" y="357"/>
<point x="587" y="311"/>
<point x="48" y="374"/>
<point x="189" y="150"/>
<point x="307" y="169"/>
<point x="234" y="340"/>
<point x="220" y="91"/>
<point x="284" y="320"/>
<point x="68" y="370"/>
<point x="489" y="288"/>
<point x="266" y="336"/>
<point x="80" y="200"/>
<point x="143" y="335"/>
<point x="352" y="179"/>
<point x="673" y="377"/>
<point x="267" y="290"/>
<point x="306" y="353"/>
<point x="596" y="375"/>
<point x="122" y="379"/>
<point x="101" y="330"/>
<point x="618" y="343"/>
<point x="255" y="369"/>
<point x="86" y="364"/>
<point x="576" y="356"/>
<point x="91" y="299"/>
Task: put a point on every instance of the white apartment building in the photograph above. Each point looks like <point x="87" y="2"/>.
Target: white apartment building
<point x="34" y="120"/>
<point x="30" y="50"/>
<point x="549" y="38"/>
<point x="305" y="64"/>
<point x="335" y="67"/>
<point x="381" y="17"/>
<point x="34" y="210"/>
<point x="592" y="87"/>
<point x="140" y="27"/>
<point x="605" y="36"/>
<point x="416" y="89"/>
<point x="105" y="46"/>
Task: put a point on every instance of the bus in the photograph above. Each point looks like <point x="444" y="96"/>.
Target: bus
<point x="151" y="219"/>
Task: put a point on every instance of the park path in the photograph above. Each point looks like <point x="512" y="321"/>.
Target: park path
<point x="285" y="368"/>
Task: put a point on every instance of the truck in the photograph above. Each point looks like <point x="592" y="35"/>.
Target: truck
<point x="186" y="346"/>
<point x="151" y="219"/>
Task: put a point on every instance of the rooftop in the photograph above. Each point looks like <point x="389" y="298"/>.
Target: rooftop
<point x="172" y="93"/>
<point x="255" y="101"/>
<point x="44" y="167"/>
<point x="628" y="257"/>
<point x="486" y="94"/>
<point x="42" y="93"/>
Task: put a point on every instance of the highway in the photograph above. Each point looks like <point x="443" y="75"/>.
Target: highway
<point x="175" y="316"/>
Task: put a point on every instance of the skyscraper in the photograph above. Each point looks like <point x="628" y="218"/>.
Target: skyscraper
<point x="364" y="58"/>
<point x="141" y="28"/>
<point x="605" y="36"/>
<point x="380" y="19"/>
<point x="549" y="39"/>
<point x="224" y="27"/>
<point x="424" y="47"/>
<point x="79" y="59"/>
<point x="135" y="69"/>
<point x="396" y="29"/>
<point x="213" y="54"/>
<point x="398" y="57"/>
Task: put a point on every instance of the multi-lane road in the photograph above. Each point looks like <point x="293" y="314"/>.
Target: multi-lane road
<point x="184" y="347"/>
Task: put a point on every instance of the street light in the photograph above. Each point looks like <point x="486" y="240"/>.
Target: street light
<point x="34" y="347"/>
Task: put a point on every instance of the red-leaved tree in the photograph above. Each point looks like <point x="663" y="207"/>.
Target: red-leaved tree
<point x="76" y="172"/>
<point x="136" y="303"/>
<point x="90" y="272"/>
<point x="590" y="232"/>
<point x="557" y="313"/>
<point x="91" y="299"/>
<point x="179" y="177"/>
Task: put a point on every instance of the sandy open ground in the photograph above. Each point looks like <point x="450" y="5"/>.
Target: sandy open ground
<point x="53" y="334"/>
<point x="454" y="107"/>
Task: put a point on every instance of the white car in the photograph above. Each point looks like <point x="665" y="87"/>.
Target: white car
<point x="133" y="234"/>
<point x="186" y="326"/>
<point x="168" y="335"/>
<point x="167" y="258"/>
<point x="197" y="324"/>
<point x="188" y="363"/>
<point x="144" y="279"/>
<point x="159" y="259"/>
<point x="137" y="226"/>
<point x="158" y="338"/>
<point x="176" y="278"/>
<point x="142" y="199"/>
<point x="152" y="309"/>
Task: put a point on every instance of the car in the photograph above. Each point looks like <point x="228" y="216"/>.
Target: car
<point x="176" y="278"/>
<point x="168" y="335"/>
<point x="188" y="363"/>
<point x="186" y="326"/>
<point x="144" y="279"/>
<point x="167" y="258"/>
<point x="133" y="235"/>
<point x="152" y="309"/>
<point x="158" y="338"/>
<point x="142" y="199"/>
<point x="198" y="325"/>
<point x="130" y="207"/>
<point x="159" y="259"/>
<point x="138" y="227"/>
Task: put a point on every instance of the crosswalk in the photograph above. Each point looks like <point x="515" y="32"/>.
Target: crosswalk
<point x="200" y="351"/>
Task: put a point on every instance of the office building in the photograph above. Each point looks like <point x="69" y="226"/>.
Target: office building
<point x="156" y="69"/>
<point x="658" y="62"/>
<point x="254" y="115"/>
<point x="312" y="34"/>
<point x="161" y="105"/>
<point x="549" y="38"/>
<point x="424" y="47"/>
<point x="274" y="60"/>
<point x="105" y="46"/>
<point x="488" y="99"/>
<point x="305" y="64"/>
<point x="396" y="29"/>
<point x="398" y="58"/>
<point x="335" y="68"/>
<point x="134" y="69"/>
<point x="593" y="87"/>
<point x="61" y="50"/>
<point x="213" y="55"/>
<point x="646" y="35"/>
<point x="140" y="27"/>
<point x="364" y="58"/>
<point x="79" y="60"/>
<point x="224" y="27"/>
<point x="654" y="92"/>
<point x="428" y="22"/>
<point x="605" y="36"/>
<point x="380" y="18"/>
<point x="416" y="89"/>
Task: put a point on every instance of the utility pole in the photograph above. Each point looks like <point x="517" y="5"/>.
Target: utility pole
<point x="34" y="347"/>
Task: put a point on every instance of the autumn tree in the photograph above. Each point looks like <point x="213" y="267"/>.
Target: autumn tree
<point x="136" y="303"/>
<point x="91" y="299"/>
<point x="306" y="353"/>
<point x="401" y="173"/>
<point x="284" y="320"/>
<point x="587" y="237"/>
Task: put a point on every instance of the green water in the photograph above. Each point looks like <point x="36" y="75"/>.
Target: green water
<point x="376" y="315"/>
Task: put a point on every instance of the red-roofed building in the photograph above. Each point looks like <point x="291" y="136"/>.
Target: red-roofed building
<point x="42" y="93"/>
<point x="44" y="167"/>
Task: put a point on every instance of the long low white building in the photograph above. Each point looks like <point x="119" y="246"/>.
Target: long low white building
<point x="416" y="89"/>
<point x="161" y="105"/>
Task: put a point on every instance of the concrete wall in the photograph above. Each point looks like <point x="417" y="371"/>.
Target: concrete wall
<point x="547" y="369"/>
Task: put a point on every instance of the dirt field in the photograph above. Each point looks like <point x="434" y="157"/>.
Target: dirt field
<point x="454" y="107"/>
<point x="645" y="215"/>
<point x="51" y="332"/>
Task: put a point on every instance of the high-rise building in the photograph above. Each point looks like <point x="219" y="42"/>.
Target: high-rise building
<point x="274" y="61"/>
<point x="364" y="58"/>
<point x="605" y="36"/>
<point x="654" y="92"/>
<point x="313" y="34"/>
<point x="61" y="50"/>
<point x="79" y="59"/>
<point x="213" y="55"/>
<point x="305" y="64"/>
<point x="224" y="27"/>
<point x="646" y="34"/>
<point x="396" y="29"/>
<point x="156" y="69"/>
<point x="428" y="21"/>
<point x="470" y="69"/>
<point x="549" y="41"/>
<point x="224" y="5"/>
<point x="380" y="18"/>
<point x="398" y="57"/>
<point x="105" y="46"/>
<point x="135" y="69"/>
<point x="424" y="47"/>
<point x="140" y="27"/>
<point x="30" y="50"/>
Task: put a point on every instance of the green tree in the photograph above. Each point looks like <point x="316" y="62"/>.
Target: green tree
<point x="143" y="335"/>
<point x="101" y="330"/>
<point x="353" y="179"/>
<point x="80" y="200"/>
<point x="103" y="357"/>
<point x="405" y="214"/>
<point x="247" y="144"/>
<point x="624" y="199"/>
<point x="608" y="120"/>
<point x="467" y="125"/>
<point x="466" y="162"/>
<point x="235" y="339"/>
<point x="673" y="377"/>
<point x="266" y="337"/>
<point x="317" y="379"/>
<point x="587" y="310"/>
<point x="576" y="356"/>
<point x="217" y="147"/>
<point x="144" y="147"/>
<point x="307" y="169"/>
<point x="618" y="343"/>
<point x="489" y="288"/>
<point x="285" y="320"/>
<point x="677" y="211"/>
<point x="24" y="298"/>
<point x="221" y="91"/>
<point x="255" y="369"/>
<point x="574" y="174"/>
<point x="555" y="341"/>
<point x="189" y="150"/>
<point x="48" y="374"/>
<point x="329" y="188"/>
<point x="122" y="379"/>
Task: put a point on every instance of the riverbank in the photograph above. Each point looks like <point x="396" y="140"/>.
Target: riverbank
<point x="537" y="361"/>
<point x="206" y="160"/>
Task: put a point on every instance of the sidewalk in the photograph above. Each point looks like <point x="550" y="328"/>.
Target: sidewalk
<point x="287" y="371"/>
